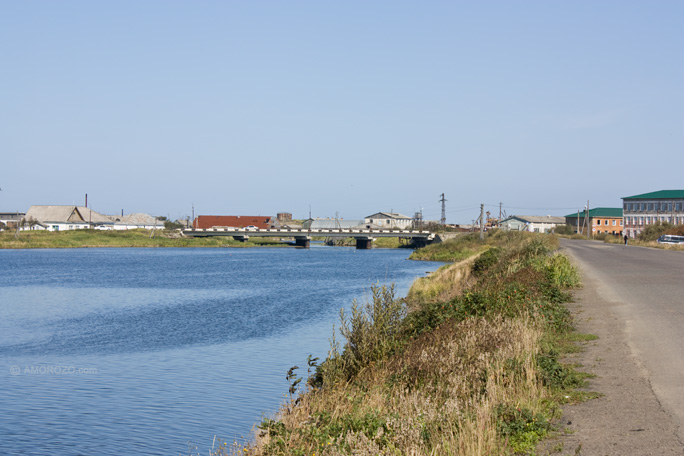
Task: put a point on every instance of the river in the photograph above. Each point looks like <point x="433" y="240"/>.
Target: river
<point x="156" y="351"/>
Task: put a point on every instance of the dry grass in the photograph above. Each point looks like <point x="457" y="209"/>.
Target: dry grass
<point x="469" y="371"/>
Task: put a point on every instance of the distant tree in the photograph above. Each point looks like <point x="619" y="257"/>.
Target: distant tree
<point x="169" y="225"/>
<point x="653" y="232"/>
<point x="564" y="229"/>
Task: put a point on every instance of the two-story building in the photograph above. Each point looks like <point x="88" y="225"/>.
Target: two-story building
<point x="663" y="206"/>
<point x="601" y="220"/>
<point x="388" y="220"/>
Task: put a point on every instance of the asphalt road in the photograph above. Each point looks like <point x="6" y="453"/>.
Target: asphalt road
<point x="634" y="300"/>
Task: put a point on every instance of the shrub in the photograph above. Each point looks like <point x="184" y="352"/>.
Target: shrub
<point x="371" y="331"/>
<point x="653" y="232"/>
<point x="486" y="260"/>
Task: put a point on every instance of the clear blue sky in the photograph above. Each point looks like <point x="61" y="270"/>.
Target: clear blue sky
<point x="258" y="107"/>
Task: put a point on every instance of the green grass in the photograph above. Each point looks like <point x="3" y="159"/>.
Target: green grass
<point x="471" y="364"/>
<point x="128" y="238"/>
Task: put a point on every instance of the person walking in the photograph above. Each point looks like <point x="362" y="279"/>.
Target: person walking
<point x="626" y="239"/>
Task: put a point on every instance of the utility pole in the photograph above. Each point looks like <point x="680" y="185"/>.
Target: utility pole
<point x="500" y="204"/>
<point x="577" y="223"/>
<point x="587" y="221"/>
<point x="481" y="221"/>
<point x="443" y="201"/>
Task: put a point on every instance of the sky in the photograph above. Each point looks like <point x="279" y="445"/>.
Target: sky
<point x="339" y="108"/>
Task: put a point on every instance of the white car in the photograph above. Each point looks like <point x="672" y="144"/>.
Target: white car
<point x="670" y="239"/>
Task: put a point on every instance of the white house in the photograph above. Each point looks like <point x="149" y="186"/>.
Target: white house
<point x="137" y="220"/>
<point x="61" y="218"/>
<point x="389" y="220"/>
<point x="532" y="223"/>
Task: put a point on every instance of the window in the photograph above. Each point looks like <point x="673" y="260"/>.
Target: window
<point x="669" y="207"/>
<point x="598" y="222"/>
<point x="620" y="222"/>
<point x="614" y="222"/>
<point x="642" y="207"/>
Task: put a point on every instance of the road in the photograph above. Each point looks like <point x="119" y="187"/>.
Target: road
<point x="633" y="299"/>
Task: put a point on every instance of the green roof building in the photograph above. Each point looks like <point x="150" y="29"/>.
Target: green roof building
<point x="601" y="220"/>
<point x="662" y="206"/>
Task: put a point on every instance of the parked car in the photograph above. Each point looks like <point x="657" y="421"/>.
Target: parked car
<point x="251" y="228"/>
<point x="670" y="239"/>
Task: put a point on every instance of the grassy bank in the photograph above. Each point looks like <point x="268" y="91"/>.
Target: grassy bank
<point x="467" y="364"/>
<point x="128" y="238"/>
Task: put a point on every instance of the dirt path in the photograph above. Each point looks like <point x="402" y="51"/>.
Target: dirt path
<point x="628" y="419"/>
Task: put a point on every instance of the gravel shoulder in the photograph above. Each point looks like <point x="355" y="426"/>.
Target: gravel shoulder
<point x="627" y="419"/>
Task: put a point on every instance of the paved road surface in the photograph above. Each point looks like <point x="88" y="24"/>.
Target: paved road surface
<point x="634" y="300"/>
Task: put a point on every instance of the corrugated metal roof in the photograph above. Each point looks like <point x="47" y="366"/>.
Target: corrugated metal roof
<point x="391" y="215"/>
<point x="91" y="216"/>
<point x="139" y="219"/>
<point x="332" y="224"/>
<point x="64" y="214"/>
<point x="600" y="212"/>
<point x="537" y="218"/>
<point x="660" y="194"/>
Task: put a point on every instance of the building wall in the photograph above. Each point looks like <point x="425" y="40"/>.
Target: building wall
<point x="639" y="214"/>
<point x="541" y="227"/>
<point x="607" y="225"/>
<point x="514" y="225"/>
<point x="233" y="221"/>
<point x="386" y="222"/>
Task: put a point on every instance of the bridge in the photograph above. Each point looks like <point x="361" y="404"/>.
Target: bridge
<point x="364" y="237"/>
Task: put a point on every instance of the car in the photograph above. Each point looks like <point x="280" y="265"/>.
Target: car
<point x="670" y="239"/>
<point x="251" y="227"/>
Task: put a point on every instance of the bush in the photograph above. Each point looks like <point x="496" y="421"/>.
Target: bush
<point x="372" y="333"/>
<point x="486" y="260"/>
<point x="653" y="232"/>
<point x="566" y="230"/>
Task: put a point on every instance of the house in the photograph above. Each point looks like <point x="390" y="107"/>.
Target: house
<point x="531" y="223"/>
<point x="11" y="219"/>
<point x="332" y="224"/>
<point x="663" y="206"/>
<point x="602" y="220"/>
<point x="388" y="220"/>
<point x="60" y="218"/>
<point x="137" y="220"/>
<point x="232" y="221"/>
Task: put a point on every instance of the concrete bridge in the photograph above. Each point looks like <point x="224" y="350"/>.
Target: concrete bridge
<point x="364" y="238"/>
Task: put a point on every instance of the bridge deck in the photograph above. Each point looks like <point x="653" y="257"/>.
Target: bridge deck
<point x="339" y="233"/>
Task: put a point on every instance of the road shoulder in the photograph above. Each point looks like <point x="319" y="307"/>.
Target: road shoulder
<point x="628" y="418"/>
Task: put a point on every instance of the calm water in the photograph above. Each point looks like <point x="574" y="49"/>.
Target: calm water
<point x="140" y="351"/>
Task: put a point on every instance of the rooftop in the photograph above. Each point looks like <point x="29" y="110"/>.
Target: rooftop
<point x="660" y="194"/>
<point x="599" y="212"/>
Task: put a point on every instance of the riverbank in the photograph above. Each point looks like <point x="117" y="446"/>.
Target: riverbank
<point x="467" y="363"/>
<point x="127" y="238"/>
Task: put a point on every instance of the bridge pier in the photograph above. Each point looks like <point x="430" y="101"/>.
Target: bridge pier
<point x="364" y="244"/>
<point x="303" y="242"/>
<point x="241" y="238"/>
<point x="419" y="242"/>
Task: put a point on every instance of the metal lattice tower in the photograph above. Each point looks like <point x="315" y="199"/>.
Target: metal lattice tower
<point x="443" y="201"/>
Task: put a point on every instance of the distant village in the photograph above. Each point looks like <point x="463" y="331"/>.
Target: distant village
<point x="636" y="213"/>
